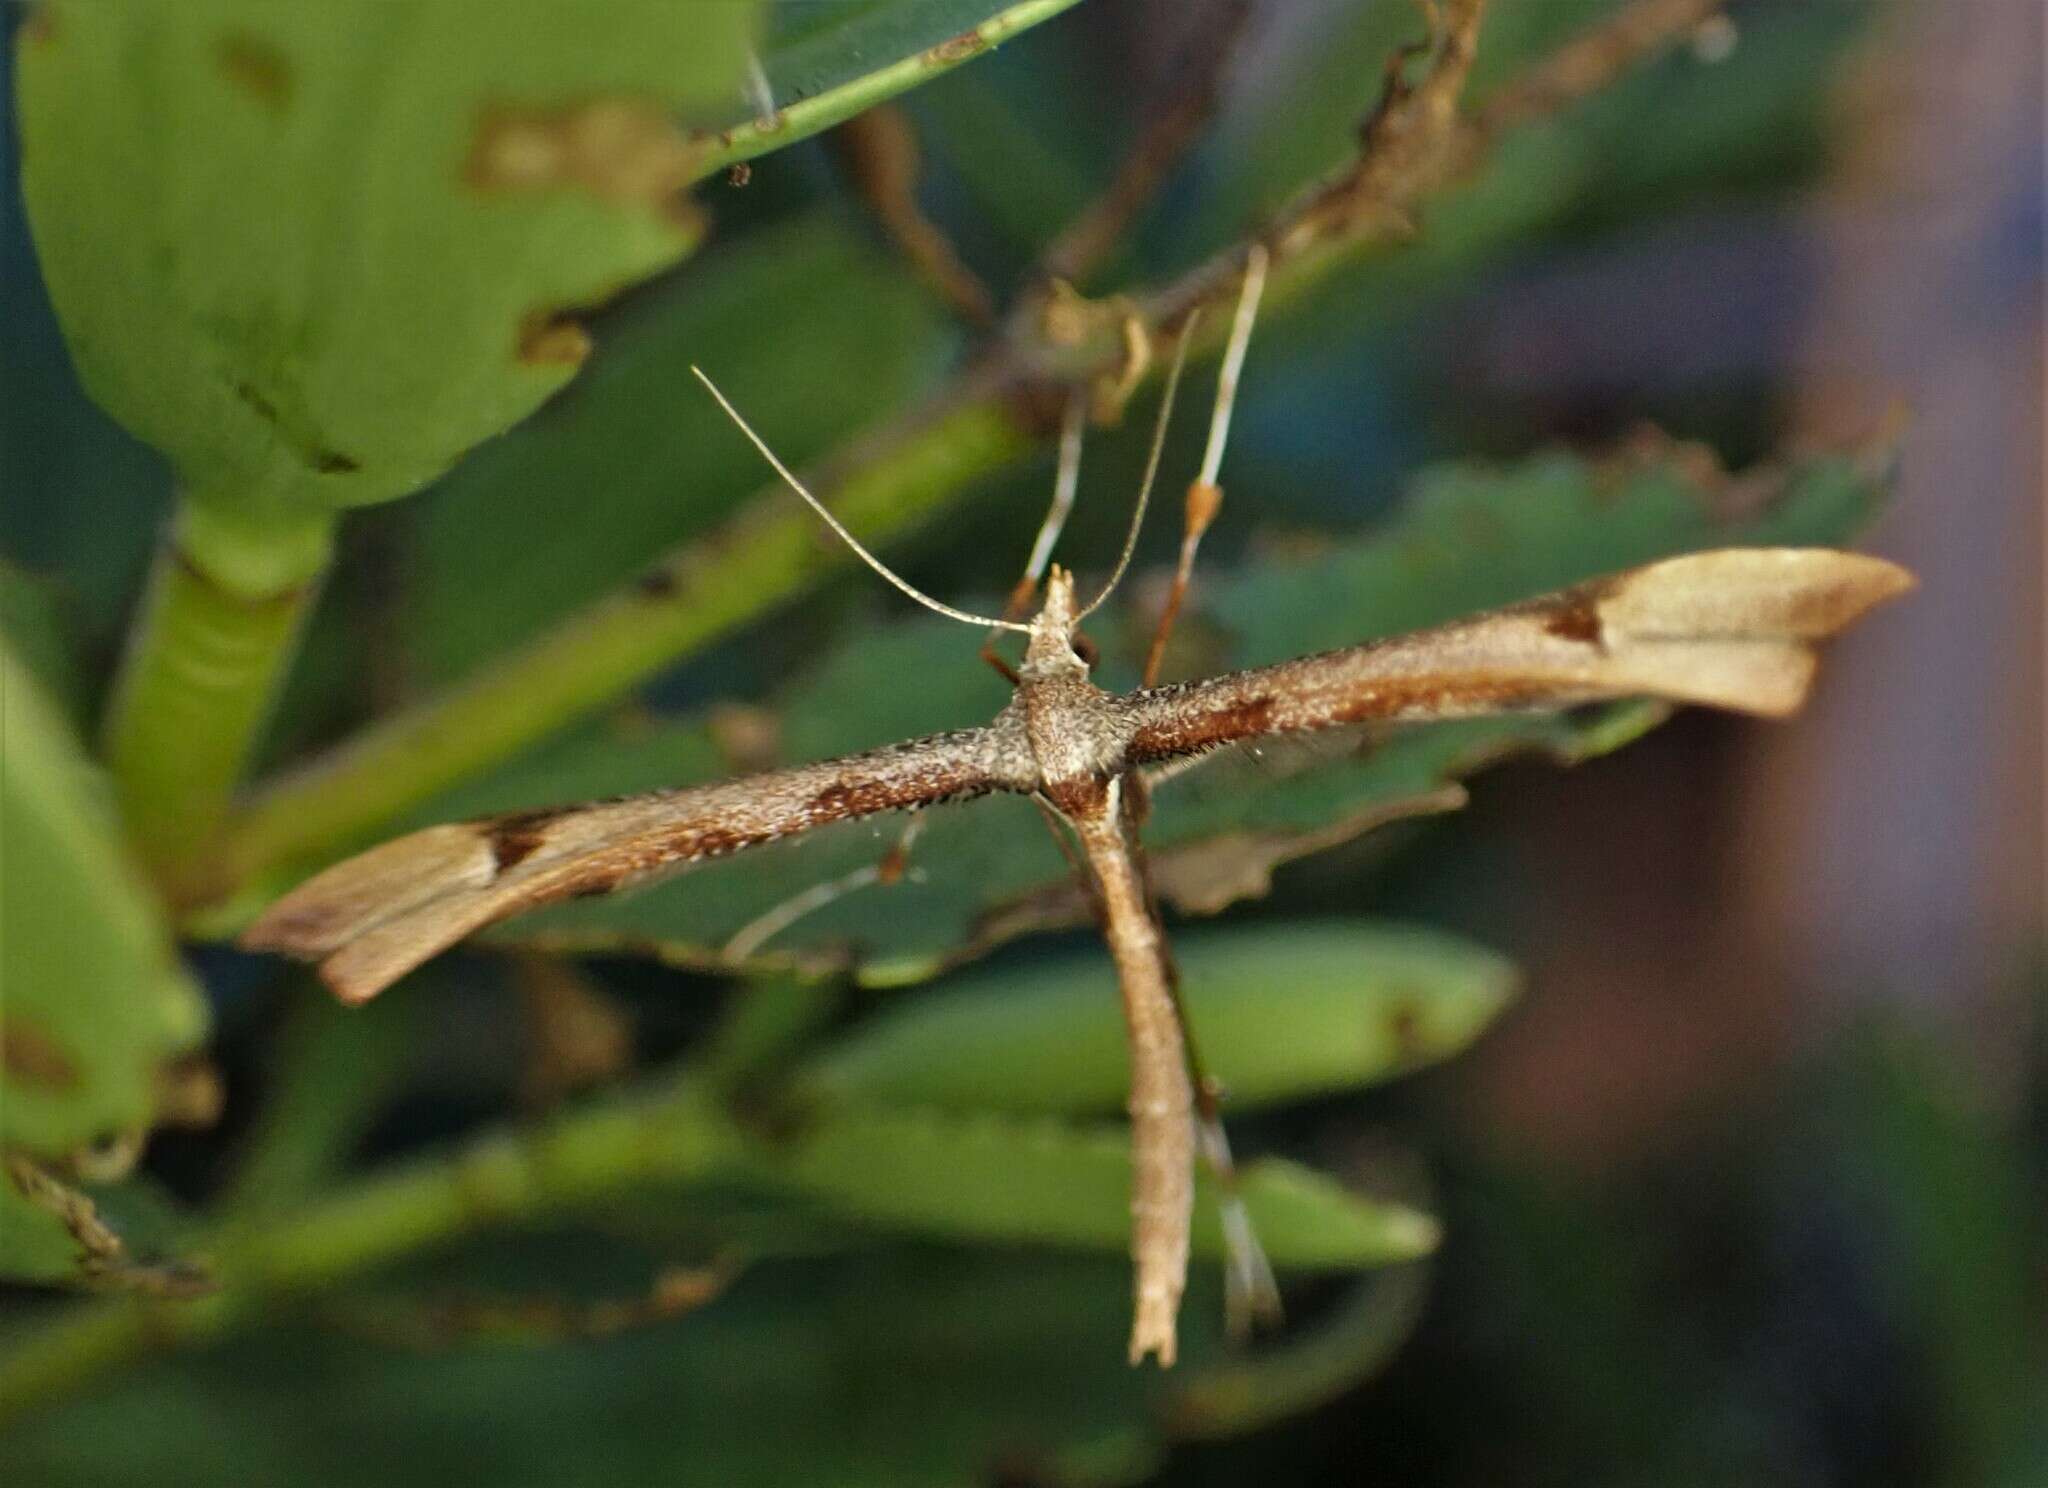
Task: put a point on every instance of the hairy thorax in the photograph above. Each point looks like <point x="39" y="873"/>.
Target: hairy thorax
<point x="1077" y="736"/>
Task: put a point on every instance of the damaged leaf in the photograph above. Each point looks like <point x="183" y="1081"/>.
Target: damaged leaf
<point x="315" y="253"/>
<point x="95" y="1007"/>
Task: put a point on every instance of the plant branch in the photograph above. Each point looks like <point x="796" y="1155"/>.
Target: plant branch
<point x="1175" y="125"/>
<point x="880" y="155"/>
<point x="501" y="1178"/>
<point x="1415" y="142"/>
<point x="1592" y="60"/>
<point x="218" y="625"/>
<point x="808" y="116"/>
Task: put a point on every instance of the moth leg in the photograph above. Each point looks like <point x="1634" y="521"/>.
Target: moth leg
<point x="1251" y="1294"/>
<point x="891" y="868"/>
<point x="1064" y="484"/>
<point x="1205" y="496"/>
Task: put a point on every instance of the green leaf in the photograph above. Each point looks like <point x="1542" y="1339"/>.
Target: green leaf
<point x="34" y="623"/>
<point x="637" y="457"/>
<point x="95" y="1001"/>
<point x="315" y="253"/>
<point x="986" y="870"/>
<point x="989" y="1178"/>
<point x="826" y="63"/>
<point x="1280" y="1013"/>
<point x="908" y="1367"/>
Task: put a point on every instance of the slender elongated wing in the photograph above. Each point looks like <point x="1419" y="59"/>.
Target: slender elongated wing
<point x="1734" y="628"/>
<point x="374" y="917"/>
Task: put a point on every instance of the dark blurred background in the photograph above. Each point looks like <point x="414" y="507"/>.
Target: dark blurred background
<point x="1748" y="1189"/>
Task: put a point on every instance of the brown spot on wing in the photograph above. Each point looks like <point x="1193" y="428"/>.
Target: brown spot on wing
<point x="1575" y="617"/>
<point x="656" y="583"/>
<point x="516" y="836"/>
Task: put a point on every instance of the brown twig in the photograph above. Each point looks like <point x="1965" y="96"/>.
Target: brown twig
<point x="1408" y="147"/>
<point x="880" y="152"/>
<point x="1176" y="122"/>
<point x="1592" y="60"/>
<point x="103" y="1257"/>
<point x="432" y="1324"/>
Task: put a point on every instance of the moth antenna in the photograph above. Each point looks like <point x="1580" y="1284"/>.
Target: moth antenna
<point x="1072" y="425"/>
<point x="1180" y="357"/>
<point x="1205" y="496"/>
<point x="839" y="527"/>
<point x="1233" y="362"/>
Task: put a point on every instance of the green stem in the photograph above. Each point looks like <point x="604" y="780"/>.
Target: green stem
<point x="503" y="1178"/>
<point x="217" y="627"/>
<point x="703" y="591"/>
<point x="809" y="116"/>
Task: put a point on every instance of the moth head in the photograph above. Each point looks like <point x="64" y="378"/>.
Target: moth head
<point x="1051" y="651"/>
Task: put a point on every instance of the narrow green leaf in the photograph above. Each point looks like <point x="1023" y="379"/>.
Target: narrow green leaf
<point x="995" y="1178"/>
<point x="1279" y="1013"/>
<point x="826" y="63"/>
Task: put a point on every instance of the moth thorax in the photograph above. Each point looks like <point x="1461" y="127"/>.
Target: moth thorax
<point x="1050" y="652"/>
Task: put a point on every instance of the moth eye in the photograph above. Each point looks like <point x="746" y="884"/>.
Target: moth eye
<point x="1084" y="650"/>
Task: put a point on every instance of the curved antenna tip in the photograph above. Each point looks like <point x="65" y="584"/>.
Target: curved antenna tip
<point x="789" y="479"/>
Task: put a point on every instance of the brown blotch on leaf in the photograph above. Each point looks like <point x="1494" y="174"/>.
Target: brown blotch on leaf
<point x="623" y="151"/>
<point x="656" y="583"/>
<point x="40" y="29"/>
<point x="257" y="68"/>
<point x="318" y="456"/>
<point x="1404" y="1026"/>
<point x="29" y="1057"/>
<point x="739" y="173"/>
<point x="550" y="340"/>
<point x="189" y="1092"/>
<point x="969" y="43"/>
